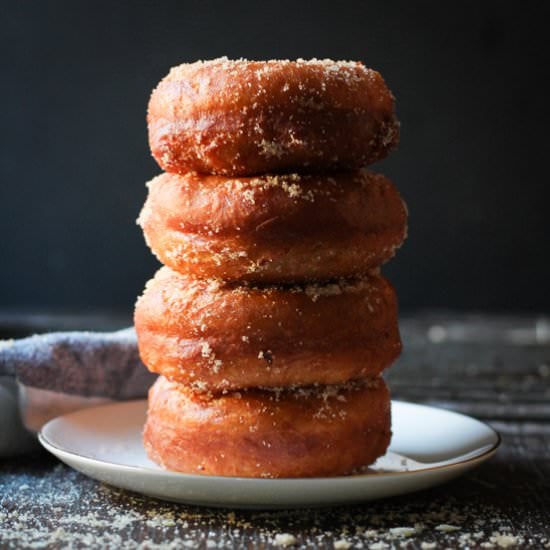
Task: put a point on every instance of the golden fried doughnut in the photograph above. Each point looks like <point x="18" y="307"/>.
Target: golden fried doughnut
<point x="244" y="117"/>
<point x="316" y="431"/>
<point x="274" y="229"/>
<point x="216" y="336"/>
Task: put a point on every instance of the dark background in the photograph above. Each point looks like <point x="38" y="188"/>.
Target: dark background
<point x="472" y="164"/>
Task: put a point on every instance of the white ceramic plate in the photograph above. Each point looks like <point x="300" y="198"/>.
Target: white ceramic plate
<point x="429" y="446"/>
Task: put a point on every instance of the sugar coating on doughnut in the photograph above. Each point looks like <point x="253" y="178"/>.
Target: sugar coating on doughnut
<point x="216" y="336"/>
<point x="241" y="117"/>
<point x="316" y="431"/>
<point x="274" y="228"/>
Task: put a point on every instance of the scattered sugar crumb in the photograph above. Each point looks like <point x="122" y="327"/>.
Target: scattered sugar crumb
<point x="284" y="539"/>
<point x="342" y="544"/>
<point x="445" y="528"/>
<point x="504" y="541"/>
<point x="402" y="531"/>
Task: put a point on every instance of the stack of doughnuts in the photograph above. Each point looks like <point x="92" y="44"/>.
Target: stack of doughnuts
<point x="269" y="322"/>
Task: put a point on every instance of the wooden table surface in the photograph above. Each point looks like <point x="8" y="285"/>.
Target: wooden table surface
<point x="492" y="367"/>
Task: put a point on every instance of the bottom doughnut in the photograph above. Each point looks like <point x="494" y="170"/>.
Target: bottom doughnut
<point x="305" y="432"/>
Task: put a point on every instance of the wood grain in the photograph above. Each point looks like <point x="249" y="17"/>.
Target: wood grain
<point x="505" y="503"/>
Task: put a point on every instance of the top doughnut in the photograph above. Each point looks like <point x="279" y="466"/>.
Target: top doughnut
<point x="243" y="118"/>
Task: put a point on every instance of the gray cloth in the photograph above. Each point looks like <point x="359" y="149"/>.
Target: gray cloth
<point x="78" y="363"/>
<point x="46" y="375"/>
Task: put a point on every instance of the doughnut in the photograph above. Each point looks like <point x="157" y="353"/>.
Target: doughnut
<point x="274" y="229"/>
<point x="243" y="117"/>
<point x="216" y="336"/>
<point x="312" y="432"/>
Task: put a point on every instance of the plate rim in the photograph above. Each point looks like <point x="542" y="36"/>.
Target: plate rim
<point x="486" y="454"/>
